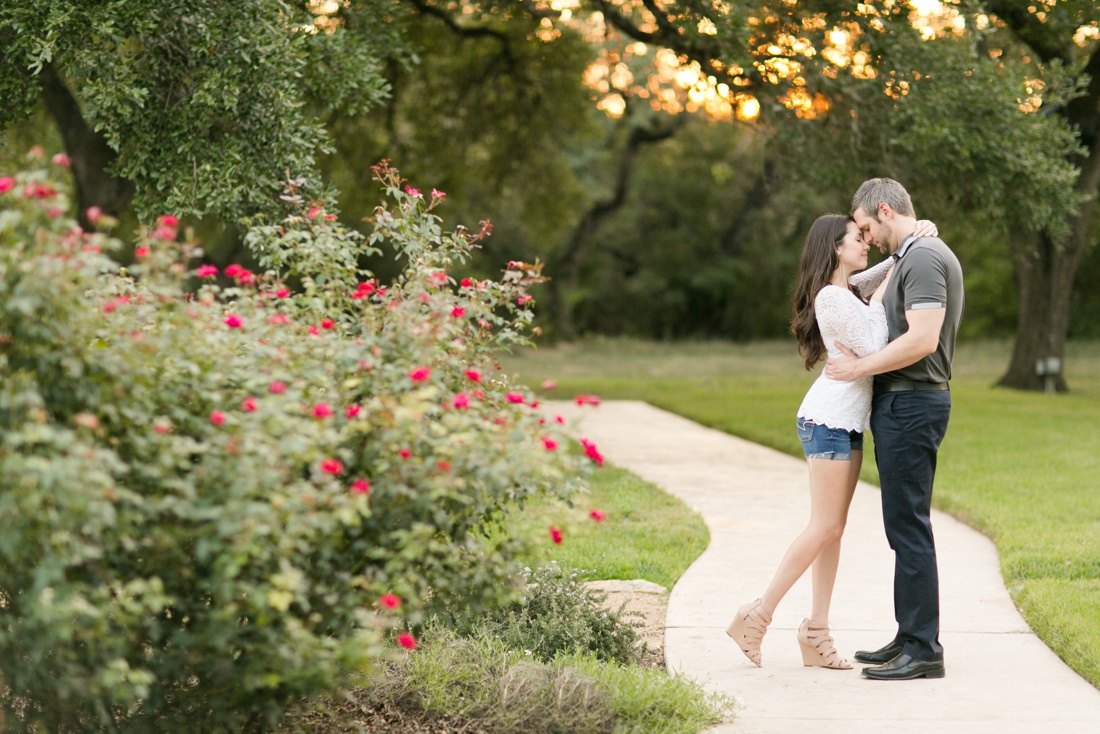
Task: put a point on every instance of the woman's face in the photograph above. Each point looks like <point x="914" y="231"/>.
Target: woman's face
<point x="852" y="250"/>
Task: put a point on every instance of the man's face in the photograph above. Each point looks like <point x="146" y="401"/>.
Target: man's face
<point x="875" y="232"/>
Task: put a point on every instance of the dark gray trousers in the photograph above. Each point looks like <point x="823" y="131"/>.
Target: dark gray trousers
<point x="908" y="428"/>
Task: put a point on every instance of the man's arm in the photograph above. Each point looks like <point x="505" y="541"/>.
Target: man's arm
<point x="922" y="339"/>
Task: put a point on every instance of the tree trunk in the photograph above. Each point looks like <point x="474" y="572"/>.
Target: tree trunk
<point x="1046" y="270"/>
<point x="1033" y="336"/>
<point x="88" y="150"/>
<point x="756" y="200"/>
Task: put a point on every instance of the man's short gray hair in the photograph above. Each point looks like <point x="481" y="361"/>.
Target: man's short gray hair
<point x="875" y="191"/>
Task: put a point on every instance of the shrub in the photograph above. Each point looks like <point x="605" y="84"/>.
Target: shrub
<point x="557" y="615"/>
<point x="217" y="499"/>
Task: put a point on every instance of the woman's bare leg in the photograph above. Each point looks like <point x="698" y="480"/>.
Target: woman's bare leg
<point x="827" y="561"/>
<point x="831" y="489"/>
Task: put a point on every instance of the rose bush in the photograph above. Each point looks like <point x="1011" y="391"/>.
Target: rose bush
<point x="219" y="496"/>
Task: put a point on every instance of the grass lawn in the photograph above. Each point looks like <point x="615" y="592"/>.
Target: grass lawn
<point x="646" y="533"/>
<point x="1021" y="467"/>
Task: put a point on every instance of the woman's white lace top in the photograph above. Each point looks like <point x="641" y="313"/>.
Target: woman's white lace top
<point x="843" y="318"/>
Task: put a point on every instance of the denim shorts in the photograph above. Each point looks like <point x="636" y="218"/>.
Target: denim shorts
<point x="822" y="442"/>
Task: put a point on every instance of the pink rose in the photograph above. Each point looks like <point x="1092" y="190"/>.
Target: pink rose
<point x="591" y="451"/>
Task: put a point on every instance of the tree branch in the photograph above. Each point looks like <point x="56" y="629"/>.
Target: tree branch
<point x="90" y="154"/>
<point x="536" y="12"/>
<point x="463" y="31"/>
<point x="1029" y="29"/>
<point x="600" y="211"/>
<point x="612" y="14"/>
<point x="703" y="50"/>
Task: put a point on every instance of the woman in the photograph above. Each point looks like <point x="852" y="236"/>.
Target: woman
<point x="829" y="309"/>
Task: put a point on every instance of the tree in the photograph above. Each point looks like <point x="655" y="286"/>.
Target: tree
<point x="1064" y="35"/>
<point x="194" y="108"/>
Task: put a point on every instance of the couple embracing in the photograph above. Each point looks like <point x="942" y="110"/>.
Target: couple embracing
<point x="889" y="336"/>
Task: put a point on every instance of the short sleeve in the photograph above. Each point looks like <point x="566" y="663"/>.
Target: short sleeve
<point x="924" y="279"/>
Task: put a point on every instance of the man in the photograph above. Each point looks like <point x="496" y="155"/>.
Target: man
<point x="909" y="414"/>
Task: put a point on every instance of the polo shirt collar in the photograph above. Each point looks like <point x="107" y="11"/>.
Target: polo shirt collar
<point x="900" y="253"/>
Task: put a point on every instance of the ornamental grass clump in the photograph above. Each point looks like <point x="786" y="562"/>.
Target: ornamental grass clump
<point x="217" y="496"/>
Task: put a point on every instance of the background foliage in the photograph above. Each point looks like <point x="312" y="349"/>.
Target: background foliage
<point x="661" y="208"/>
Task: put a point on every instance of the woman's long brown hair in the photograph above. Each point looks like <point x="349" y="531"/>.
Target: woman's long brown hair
<point x="815" y="269"/>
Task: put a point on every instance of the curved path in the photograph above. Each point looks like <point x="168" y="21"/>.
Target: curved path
<point x="1000" y="676"/>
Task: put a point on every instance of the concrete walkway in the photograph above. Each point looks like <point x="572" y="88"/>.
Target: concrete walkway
<point x="1000" y="676"/>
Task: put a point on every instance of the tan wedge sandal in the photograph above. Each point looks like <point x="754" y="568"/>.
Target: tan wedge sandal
<point x="748" y="628"/>
<point x="818" y="649"/>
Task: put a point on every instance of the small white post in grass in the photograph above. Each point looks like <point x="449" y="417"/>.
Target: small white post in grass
<point x="1049" y="368"/>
